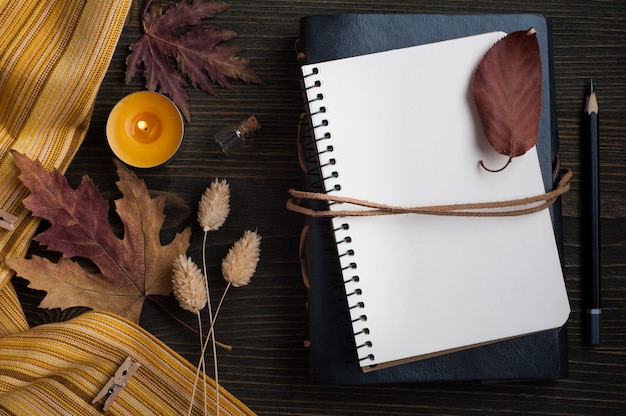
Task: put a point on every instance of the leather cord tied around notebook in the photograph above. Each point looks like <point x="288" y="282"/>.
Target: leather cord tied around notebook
<point x="508" y="208"/>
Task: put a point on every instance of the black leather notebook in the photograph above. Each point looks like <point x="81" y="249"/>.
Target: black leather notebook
<point x="334" y="360"/>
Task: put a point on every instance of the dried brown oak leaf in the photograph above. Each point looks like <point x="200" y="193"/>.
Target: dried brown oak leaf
<point x="130" y="268"/>
<point x="200" y="54"/>
<point x="507" y="92"/>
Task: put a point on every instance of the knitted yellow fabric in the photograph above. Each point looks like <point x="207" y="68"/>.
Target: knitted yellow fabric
<point x="59" y="369"/>
<point x="53" y="58"/>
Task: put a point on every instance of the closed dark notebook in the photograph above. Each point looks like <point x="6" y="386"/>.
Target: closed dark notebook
<point x="541" y="355"/>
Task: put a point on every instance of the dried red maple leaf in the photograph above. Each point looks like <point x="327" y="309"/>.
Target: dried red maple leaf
<point x="130" y="268"/>
<point x="200" y="53"/>
<point x="507" y="92"/>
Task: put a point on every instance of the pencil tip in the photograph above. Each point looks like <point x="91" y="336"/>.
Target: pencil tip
<point x="591" y="85"/>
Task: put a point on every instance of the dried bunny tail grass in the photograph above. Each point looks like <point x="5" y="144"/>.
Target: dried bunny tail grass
<point x="239" y="265"/>
<point x="188" y="283"/>
<point x="214" y="205"/>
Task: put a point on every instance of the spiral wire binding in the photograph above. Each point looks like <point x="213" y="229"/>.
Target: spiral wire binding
<point x="321" y="136"/>
<point x="309" y="163"/>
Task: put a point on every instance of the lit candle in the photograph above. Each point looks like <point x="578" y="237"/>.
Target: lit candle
<point x="145" y="129"/>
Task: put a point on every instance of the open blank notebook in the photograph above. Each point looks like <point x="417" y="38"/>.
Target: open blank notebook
<point x="400" y="127"/>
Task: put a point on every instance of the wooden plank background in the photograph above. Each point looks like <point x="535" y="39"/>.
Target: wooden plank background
<point x="266" y="322"/>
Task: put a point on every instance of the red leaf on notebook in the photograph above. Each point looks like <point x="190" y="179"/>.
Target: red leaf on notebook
<point x="129" y="268"/>
<point x="507" y="92"/>
<point x="200" y="54"/>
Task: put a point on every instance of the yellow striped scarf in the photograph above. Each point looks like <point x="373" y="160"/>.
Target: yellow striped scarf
<point x="53" y="57"/>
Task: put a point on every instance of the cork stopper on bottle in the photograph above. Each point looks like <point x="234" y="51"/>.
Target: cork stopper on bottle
<point x="249" y="126"/>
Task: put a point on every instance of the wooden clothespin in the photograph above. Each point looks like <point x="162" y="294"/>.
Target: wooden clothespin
<point x="7" y="221"/>
<point x="116" y="383"/>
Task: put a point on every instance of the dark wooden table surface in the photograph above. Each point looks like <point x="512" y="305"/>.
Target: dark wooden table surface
<point x="266" y="322"/>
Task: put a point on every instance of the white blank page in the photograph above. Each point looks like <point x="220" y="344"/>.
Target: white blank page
<point x="405" y="131"/>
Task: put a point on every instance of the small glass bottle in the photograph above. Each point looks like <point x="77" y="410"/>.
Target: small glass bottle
<point x="231" y="137"/>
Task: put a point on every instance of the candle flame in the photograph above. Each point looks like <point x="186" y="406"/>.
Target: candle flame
<point x="142" y="125"/>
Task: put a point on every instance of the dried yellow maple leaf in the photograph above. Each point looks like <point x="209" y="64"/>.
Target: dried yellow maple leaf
<point x="130" y="268"/>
